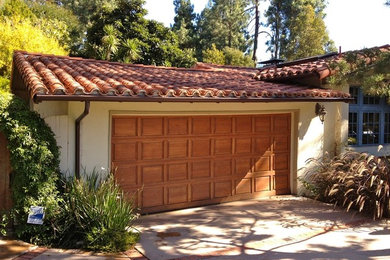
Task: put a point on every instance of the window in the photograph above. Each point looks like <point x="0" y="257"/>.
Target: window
<point x="368" y="120"/>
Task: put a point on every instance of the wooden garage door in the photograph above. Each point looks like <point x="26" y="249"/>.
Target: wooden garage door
<point x="176" y="162"/>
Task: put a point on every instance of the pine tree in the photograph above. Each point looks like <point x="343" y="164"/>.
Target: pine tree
<point x="297" y="28"/>
<point x="183" y="24"/>
<point x="224" y="23"/>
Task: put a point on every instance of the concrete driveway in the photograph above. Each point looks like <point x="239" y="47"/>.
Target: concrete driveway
<point x="277" y="228"/>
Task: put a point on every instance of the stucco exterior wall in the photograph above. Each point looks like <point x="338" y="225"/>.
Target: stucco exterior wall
<point x="309" y="137"/>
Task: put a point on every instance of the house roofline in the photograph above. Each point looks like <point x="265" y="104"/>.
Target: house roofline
<point x="39" y="98"/>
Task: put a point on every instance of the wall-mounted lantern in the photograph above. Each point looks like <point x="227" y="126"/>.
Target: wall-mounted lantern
<point x="320" y="112"/>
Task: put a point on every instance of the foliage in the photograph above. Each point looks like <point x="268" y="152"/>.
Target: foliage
<point x="132" y="38"/>
<point x="85" y="10"/>
<point x="58" y="23"/>
<point x="223" y="23"/>
<point x="227" y="56"/>
<point x="308" y="36"/>
<point x="34" y="161"/>
<point x="297" y="28"/>
<point x="3" y="224"/>
<point x="213" y="55"/>
<point x="237" y="58"/>
<point x="96" y="212"/>
<point x="184" y="24"/>
<point x="369" y="68"/>
<point x="352" y="180"/>
<point x="19" y="31"/>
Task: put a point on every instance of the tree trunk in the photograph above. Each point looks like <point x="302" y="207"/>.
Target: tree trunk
<point x="257" y="21"/>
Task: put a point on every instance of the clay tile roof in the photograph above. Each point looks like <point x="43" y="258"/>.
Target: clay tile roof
<point x="313" y="66"/>
<point x="48" y="77"/>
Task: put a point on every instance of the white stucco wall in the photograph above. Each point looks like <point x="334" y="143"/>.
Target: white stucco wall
<point x="309" y="137"/>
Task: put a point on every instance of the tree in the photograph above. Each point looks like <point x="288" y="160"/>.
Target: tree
<point x="297" y="28"/>
<point x="123" y="34"/>
<point x="183" y="25"/>
<point x="236" y="57"/>
<point x="307" y="35"/>
<point x="87" y="9"/>
<point x="369" y="68"/>
<point x="59" y="23"/>
<point x="21" y="31"/>
<point x="213" y="55"/>
<point x="227" y="56"/>
<point x="224" y="23"/>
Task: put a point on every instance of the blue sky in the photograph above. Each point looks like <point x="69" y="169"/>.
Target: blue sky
<point x="352" y="24"/>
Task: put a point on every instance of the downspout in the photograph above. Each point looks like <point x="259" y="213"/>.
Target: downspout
<point x="78" y="121"/>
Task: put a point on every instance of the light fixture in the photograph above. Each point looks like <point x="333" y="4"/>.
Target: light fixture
<point x="320" y="112"/>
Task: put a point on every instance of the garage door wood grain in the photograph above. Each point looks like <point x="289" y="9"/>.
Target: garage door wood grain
<point x="176" y="162"/>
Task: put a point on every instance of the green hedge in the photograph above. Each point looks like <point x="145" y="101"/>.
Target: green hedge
<point x="34" y="159"/>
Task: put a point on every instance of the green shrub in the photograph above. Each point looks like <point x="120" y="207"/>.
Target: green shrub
<point x="96" y="215"/>
<point x="34" y="160"/>
<point x="352" y="180"/>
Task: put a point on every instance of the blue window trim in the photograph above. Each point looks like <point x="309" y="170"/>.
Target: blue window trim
<point x="361" y="108"/>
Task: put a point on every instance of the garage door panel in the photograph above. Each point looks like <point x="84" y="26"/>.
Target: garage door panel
<point x="201" y="191"/>
<point x="152" y="197"/>
<point x="177" y="149"/>
<point x="222" y="168"/>
<point x="126" y="174"/>
<point x="178" y="126"/>
<point x="177" y="171"/>
<point x="152" y="126"/>
<point x="152" y="174"/>
<point x="177" y="194"/>
<point x="242" y="166"/>
<point x="243" y="186"/>
<point x="179" y="162"/>
<point x="281" y="124"/>
<point x="262" y="163"/>
<point x="243" y="124"/>
<point x="262" y="124"/>
<point x="263" y="183"/>
<point x="201" y="147"/>
<point x="223" y="125"/>
<point x="223" y="146"/>
<point x="223" y="188"/>
<point x="281" y="161"/>
<point x="125" y="151"/>
<point x="201" y="125"/>
<point x="262" y="145"/>
<point x="243" y="146"/>
<point x="201" y="169"/>
<point x="281" y="143"/>
<point x="281" y="181"/>
<point x="124" y="127"/>
<point x="152" y="150"/>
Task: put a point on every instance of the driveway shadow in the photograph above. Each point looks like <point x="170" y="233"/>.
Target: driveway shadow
<point x="242" y="228"/>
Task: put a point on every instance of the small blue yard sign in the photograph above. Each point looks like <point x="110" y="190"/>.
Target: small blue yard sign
<point x="36" y="215"/>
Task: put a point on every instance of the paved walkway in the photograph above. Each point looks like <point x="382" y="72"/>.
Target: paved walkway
<point x="279" y="228"/>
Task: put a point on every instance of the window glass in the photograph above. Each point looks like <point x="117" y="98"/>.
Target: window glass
<point x="352" y="129"/>
<point x="370" y="100"/>
<point x="386" y="133"/>
<point x="370" y="133"/>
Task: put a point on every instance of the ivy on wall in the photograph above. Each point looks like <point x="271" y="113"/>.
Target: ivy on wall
<point x="35" y="168"/>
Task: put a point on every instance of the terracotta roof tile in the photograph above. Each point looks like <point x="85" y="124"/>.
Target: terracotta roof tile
<point x="55" y="77"/>
<point x="317" y="66"/>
